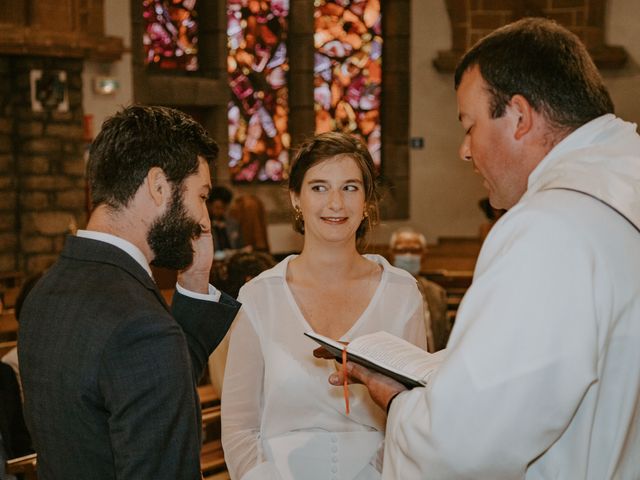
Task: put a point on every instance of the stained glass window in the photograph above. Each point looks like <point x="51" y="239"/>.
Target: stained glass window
<point x="348" y="69"/>
<point x="257" y="66"/>
<point x="170" y="34"/>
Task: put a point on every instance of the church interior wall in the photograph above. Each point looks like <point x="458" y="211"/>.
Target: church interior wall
<point x="444" y="191"/>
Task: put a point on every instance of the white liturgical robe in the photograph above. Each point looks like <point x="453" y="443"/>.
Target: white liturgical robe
<point x="542" y="380"/>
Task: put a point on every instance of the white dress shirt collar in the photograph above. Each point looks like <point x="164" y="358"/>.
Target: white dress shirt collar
<point x="120" y="243"/>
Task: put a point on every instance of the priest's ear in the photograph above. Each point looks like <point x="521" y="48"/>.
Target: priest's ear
<point x="521" y="114"/>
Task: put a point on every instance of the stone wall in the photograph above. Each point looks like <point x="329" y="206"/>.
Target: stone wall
<point x="8" y="234"/>
<point x="473" y="19"/>
<point x="42" y="185"/>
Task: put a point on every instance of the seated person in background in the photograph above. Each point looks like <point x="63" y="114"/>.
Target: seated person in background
<point x="280" y="419"/>
<point x="225" y="229"/>
<point x="250" y="213"/>
<point x="11" y="357"/>
<point x="492" y="214"/>
<point x="408" y="248"/>
<point x="241" y="267"/>
<point x="16" y="441"/>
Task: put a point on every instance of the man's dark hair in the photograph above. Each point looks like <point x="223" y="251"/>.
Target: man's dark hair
<point x="547" y="65"/>
<point x="220" y="193"/>
<point x="137" y="139"/>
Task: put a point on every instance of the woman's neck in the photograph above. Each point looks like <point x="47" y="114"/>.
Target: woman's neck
<point x="330" y="261"/>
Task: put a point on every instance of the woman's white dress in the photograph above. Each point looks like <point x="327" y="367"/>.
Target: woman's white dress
<point x="281" y="419"/>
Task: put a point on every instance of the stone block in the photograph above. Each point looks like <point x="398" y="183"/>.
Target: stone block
<point x="7" y="182"/>
<point x="65" y="130"/>
<point x="40" y="262"/>
<point x="62" y="116"/>
<point x="37" y="164"/>
<point x="8" y="200"/>
<point x="41" y="145"/>
<point x="7" y="221"/>
<point x="8" y="242"/>
<point x="30" y="129"/>
<point x="73" y="199"/>
<point x="34" y="200"/>
<point x="47" y="223"/>
<point x="37" y="244"/>
<point x="46" y="182"/>
<point x="24" y="112"/>
<point x="5" y="126"/>
<point x="58" y="242"/>
<point x="74" y="148"/>
<point x="8" y="262"/>
<point x="74" y="167"/>
<point x="5" y="143"/>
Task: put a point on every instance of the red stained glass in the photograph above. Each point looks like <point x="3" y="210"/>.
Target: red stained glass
<point x="257" y="66"/>
<point x="170" y="34"/>
<point x="348" y="69"/>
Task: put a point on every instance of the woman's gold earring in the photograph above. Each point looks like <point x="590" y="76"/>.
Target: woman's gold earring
<point x="365" y="214"/>
<point x="297" y="213"/>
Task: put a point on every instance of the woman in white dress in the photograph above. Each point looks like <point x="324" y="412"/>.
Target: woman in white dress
<point x="280" y="418"/>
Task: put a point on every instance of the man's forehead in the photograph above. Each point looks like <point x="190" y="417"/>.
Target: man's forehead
<point x="202" y="177"/>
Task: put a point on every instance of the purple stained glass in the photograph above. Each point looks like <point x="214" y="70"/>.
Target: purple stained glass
<point x="170" y="34"/>
<point x="348" y="69"/>
<point x="257" y="67"/>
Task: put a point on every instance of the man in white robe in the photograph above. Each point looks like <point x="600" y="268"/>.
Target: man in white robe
<point x="542" y="378"/>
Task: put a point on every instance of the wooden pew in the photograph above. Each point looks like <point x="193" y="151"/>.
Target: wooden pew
<point x="8" y="327"/>
<point x="25" y="466"/>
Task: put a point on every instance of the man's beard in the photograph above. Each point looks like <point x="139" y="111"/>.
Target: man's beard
<point x="170" y="235"/>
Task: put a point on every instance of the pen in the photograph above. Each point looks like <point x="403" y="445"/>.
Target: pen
<point x="345" y="385"/>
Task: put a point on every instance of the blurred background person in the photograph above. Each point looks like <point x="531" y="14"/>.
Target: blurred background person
<point x="225" y="229"/>
<point x="11" y="357"/>
<point x="249" y="211"/>
<point x="279" y="418"/>
<point x="14" y="436"/>
<point x="407" y="251"/>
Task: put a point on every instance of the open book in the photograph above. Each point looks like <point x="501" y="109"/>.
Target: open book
<point x="387" y="354"/>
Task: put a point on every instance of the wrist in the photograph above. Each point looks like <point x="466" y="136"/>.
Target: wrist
<point x="392" y="399"/>
<point x="195" y="282"/>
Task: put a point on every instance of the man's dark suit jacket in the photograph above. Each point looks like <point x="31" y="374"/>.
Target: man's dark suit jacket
<point x="109" y="373"/>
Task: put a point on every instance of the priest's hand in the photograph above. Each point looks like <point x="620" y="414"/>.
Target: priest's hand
<point x="381" y="388"/>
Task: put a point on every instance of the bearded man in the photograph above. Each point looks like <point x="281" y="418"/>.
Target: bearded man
<point x="109" y="370"/>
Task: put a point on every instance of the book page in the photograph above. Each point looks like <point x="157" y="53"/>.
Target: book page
<point x="397" y="354"/>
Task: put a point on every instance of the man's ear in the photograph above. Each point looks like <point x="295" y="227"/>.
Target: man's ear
<point x="158" y="186"/>
<point x="522" y="113"/>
